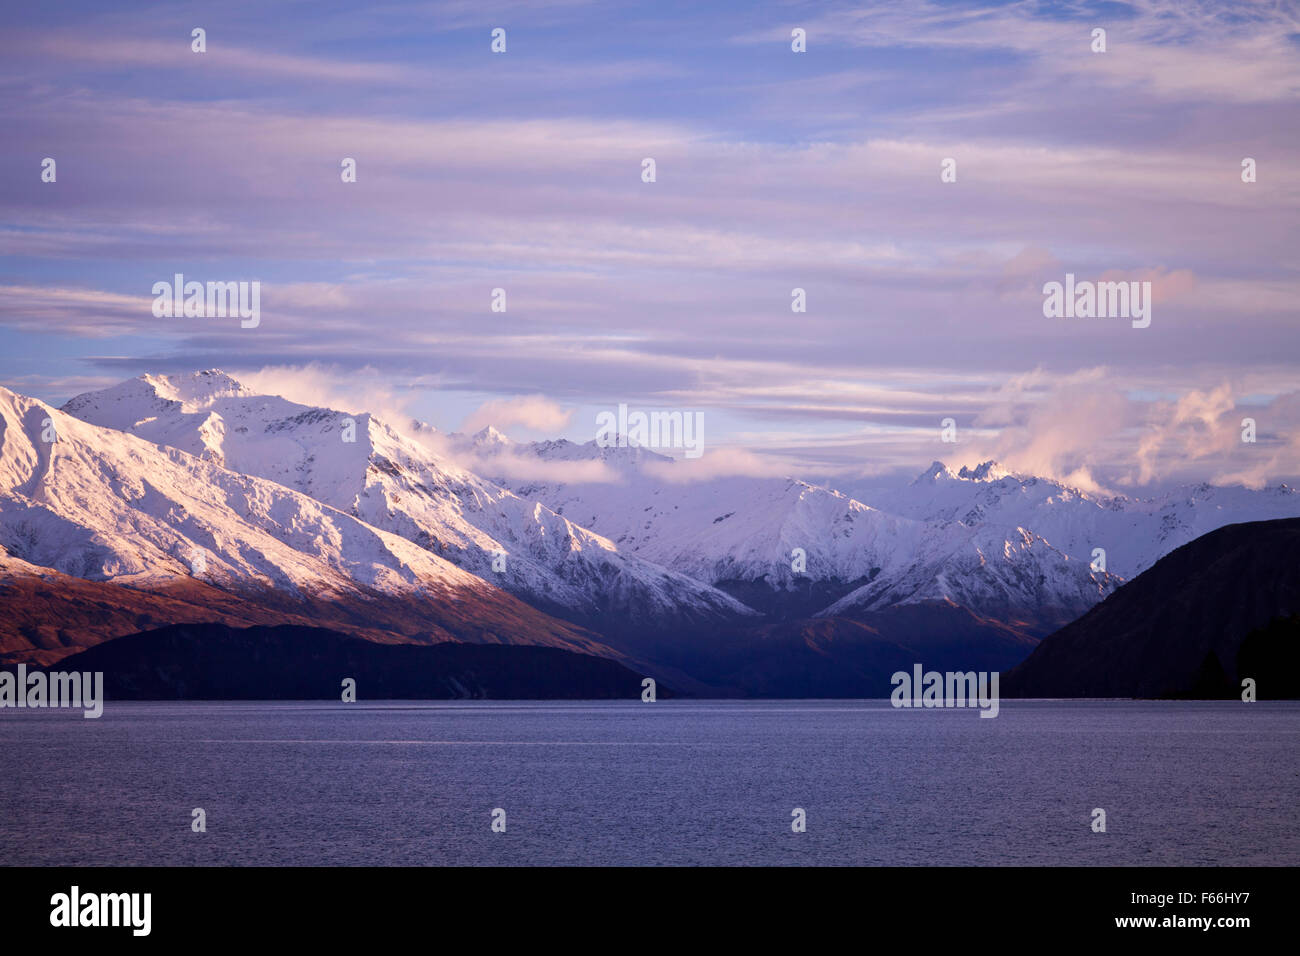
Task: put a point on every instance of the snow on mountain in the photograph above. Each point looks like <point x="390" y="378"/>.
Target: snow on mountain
<point x="741" y="534"/>
<point x="1004" y="544"/>
<point x="738" y="528"/>
<point x="936" y="471"/>
<point x="1134" y="532"/>
<point x="1015" y="577"/>
<point x="631" y="546"/>
<point x="363" y="467"/>
<point x="489" y="438"/>
<point x="103" y="505"/>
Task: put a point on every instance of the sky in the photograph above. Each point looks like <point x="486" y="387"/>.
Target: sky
<point x="819" y="170"/>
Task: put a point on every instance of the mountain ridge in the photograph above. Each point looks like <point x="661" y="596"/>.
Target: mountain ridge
<point x="1177" y="625"/>
<point x="336" y="518"/>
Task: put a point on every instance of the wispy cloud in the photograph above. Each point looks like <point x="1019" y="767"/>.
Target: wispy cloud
<point x="776" y="171"/>
<point x="536" y="412"/>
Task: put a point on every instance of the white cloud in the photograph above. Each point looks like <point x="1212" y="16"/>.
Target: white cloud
<point x="354" y="391"/>
<point x="536" y="412"/>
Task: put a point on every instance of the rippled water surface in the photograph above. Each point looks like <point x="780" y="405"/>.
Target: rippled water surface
<point x="673" y="782"/>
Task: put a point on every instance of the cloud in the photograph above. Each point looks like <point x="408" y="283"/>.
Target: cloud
<point x="924" y="297"/>
<point x="716" y="463"/>
<point x="1166" y="286"/>
<point x="1276" y="452"/>
<point x="176" y="54"/>
<point x="1058" y="429"/>
<point x="1070" y="428"/>
<point x="1194" y="427"/>
<point x="525" y="466"/>
<point x="536" y="412"/>
<point x="1175" y="50"/>
<point x="88" y="313"/>
<point x="326" y="386"/>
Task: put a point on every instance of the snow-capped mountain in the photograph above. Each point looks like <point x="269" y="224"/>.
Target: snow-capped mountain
<point x="1014" y="547"/>
<point x="361" y="466"/>
<point x="1133" y="531"/>
<point x="321" y="501"/>
<point x="797" y="548"/>
<point x="191" y="497"/>
<point x="1016" y="577"/>
<point x="102" y="505"/>
<point x="732" y="530"/>
<point x="99" y="504"/>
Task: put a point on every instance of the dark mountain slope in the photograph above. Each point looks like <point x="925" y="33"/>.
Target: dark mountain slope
<point x="834" y="657"/>
<point x="216" y="662"/>
<point x="1178" y="629"/>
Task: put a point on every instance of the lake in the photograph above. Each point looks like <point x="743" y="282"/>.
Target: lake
<point x="670" y="782"/>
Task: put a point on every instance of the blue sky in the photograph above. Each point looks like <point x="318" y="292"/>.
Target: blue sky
<point x="775" y="170"/>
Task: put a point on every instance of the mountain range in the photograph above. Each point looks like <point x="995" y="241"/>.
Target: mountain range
<point x="170" y="499"/>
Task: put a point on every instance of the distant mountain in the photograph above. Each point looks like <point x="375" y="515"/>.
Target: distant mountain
<point x="1134" y="531"/>
<point x="642" y="545"/>
<point x="741" y="534"/>
<point x="362" y="467"/>
<point x="171" y="499"/>
<point x="1018" y="548"/>
<point x="163" y="533"/>
<point x="216" y="662"/>
<point x="1203" y="617"/>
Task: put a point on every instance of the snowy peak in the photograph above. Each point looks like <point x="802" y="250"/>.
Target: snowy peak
<point x="396" y="483"/>
<point x="936" y="471"/>
<point x="123" y="405"/>
<point x="210" y="415"/>
<point x="488" y="438"/>
<point x="102" y="504"/>
<point x="1014" y="575"/>
<point x="139" y="401"/>
<point x="985" y="471"/>
<point x="196" y="390"/>
<point x="168" y="536"/>
<point x="600" y="532"/>
<point x="190" y="392"/>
